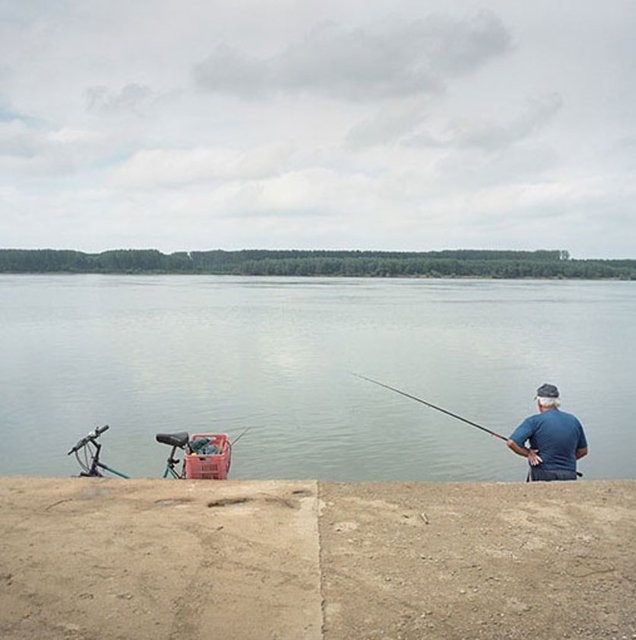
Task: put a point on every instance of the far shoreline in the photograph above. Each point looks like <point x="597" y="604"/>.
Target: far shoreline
<point x="320" y="276"/>
<point x="543" y="264"/>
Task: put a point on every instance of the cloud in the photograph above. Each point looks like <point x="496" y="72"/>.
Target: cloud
<point x="399" y="59"/>
<point x="33" y="149"/>
<point x="16" y="139"/>
<point x="128" y="99"/>
<point x="21" y="13"/>
<point x="414" y="125"/>
<point x="69" y="135"/>
<point x="491" y="134"/>
<point x="312" y="191"/>
<point x="171" y="167"/>
<point x="387" y="126"/>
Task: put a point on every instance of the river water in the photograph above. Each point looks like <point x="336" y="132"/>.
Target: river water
<point x="146" y="354"/>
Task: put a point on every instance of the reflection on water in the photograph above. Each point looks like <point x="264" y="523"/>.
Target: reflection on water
<point x="172" y="353"/>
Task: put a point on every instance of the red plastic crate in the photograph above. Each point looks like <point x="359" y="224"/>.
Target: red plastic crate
<point x="209" y="466"/>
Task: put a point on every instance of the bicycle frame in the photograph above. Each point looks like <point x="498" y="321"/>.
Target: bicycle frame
<point x="94" y="467"/>
<point x="171" y="463"/>
<point x="96" y="464"/>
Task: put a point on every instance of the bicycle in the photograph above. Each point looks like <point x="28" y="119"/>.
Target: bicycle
<point x="206" y="456"/>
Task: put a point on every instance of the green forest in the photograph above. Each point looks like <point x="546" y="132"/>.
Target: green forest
<point x="381" y="264"/>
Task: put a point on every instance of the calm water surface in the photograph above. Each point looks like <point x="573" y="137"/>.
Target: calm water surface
<point x="204" y="353"/>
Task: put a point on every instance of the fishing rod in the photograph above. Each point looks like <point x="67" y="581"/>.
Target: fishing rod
<point x="432" y="406"/>
<point x="240" y="436"/>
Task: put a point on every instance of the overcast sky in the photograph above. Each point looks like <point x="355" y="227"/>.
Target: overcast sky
<point x="325" y="124"/>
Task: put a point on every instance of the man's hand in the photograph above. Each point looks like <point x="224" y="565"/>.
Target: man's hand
<point x="532" y="454"/>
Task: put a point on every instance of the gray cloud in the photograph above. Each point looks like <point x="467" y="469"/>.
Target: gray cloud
<point x="131" y="96"/>
<point x="388" y="126"/>
<point x="401" y="59"/>
<point x="408" y="126"/>
<point x="489" y="135"/>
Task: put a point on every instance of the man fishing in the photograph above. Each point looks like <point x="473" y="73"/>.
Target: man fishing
<point x="556" y="439"/>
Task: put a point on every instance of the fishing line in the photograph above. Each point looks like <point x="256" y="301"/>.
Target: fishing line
<point x="432" y="406"/>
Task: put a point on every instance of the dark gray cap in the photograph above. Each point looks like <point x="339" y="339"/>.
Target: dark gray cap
<point x="547" y="391"/>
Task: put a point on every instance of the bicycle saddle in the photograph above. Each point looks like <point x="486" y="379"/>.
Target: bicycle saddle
<point x="173" y="439"/>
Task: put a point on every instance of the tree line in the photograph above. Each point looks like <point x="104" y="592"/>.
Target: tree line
<point x="463" y="263"/>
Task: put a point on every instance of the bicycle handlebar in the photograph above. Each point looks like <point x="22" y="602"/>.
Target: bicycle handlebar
<point x="91" y="437"/>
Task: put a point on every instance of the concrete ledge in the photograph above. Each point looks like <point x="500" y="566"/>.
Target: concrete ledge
<point x="153" y="559"/>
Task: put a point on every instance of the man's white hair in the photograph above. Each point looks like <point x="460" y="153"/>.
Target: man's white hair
<point x="548" y="402"/>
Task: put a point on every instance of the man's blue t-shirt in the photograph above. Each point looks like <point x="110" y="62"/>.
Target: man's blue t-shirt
<point x="556" y="434"/>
